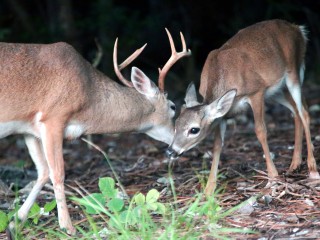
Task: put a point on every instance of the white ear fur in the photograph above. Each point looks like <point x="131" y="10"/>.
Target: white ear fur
<point x="191" y="96"/>
<point x="221" y="106"/>
<point x="143" y="84"/>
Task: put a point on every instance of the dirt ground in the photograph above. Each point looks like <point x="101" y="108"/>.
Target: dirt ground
<point x="289" y="210"/>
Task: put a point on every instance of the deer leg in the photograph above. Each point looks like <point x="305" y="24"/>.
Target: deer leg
<point x="287" y="101"/>
<point x="36" y="153"/>
<point x="52" y="139"/>
<point x="293" y="84"/>
<point x="219" y="133"/>
<point x="298" y="136"/>
<point x="257" y="105"/>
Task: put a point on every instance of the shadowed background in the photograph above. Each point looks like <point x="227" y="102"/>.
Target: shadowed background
<point x="206" y="25"/>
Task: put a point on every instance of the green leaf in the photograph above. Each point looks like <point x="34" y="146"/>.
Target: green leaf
<point x="152" y="196"/>
<point x="152" y="206"/>
<point x="157" y="207"/>
<point x="140" y="199"/>
<point x="135" y="215"/>
<point x="125" y="217"/>
<point x="93" y="203"/>
<point x="161" y="208"/>
<point x="34" y="211"/>
<point x="48" y="207"/>
<point x="115" y="205"/>
<point x="129" y="218"/>
<point x="12" y="213"/>
<point x="107" y="187"/>
<point x="36" y="220"/>
<point x="3" y="221"/>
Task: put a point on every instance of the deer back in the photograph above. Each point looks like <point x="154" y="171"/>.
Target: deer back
<point x="53" y="79"/>
<point x="257" y="57"/>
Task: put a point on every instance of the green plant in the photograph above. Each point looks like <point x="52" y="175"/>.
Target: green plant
<point x="4" y="221"/>
<point x="106" y="200"/>
<point x="123" y="215"/>
<point x="34" y="214"/>
<point x="144" y="217"/>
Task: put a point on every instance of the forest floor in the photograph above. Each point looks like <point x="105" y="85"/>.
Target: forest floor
<point x="289" y="210"/>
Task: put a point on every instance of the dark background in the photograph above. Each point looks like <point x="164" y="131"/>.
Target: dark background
<point x="205" y="24"/>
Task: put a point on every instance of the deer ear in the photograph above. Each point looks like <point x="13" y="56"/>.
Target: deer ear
<point x="143" y="84"/>
<point x="191" y="96"/>
<point x="221" y="106"/>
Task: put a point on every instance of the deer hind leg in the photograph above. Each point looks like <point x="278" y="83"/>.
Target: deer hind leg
<point x="36" y="153"/>
<point x="287" y="101"/>
<point x="257" y="105"/>
<point x="219" y="133"/>
<point x="51" y="133"/>
<point x="294" y="87"/>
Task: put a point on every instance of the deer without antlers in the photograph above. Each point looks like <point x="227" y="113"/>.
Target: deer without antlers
<point x="49" y="92"/>
<point x="263" y="61"/>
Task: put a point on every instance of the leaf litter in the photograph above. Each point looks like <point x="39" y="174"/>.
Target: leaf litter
<point x="288" y="208"/>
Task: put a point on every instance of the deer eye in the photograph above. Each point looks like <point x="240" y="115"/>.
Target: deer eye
<point x="173" y="107"/>
<point x="194" y="130"/>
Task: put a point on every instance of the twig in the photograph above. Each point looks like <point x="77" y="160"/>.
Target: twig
<point x="107" y="158"/>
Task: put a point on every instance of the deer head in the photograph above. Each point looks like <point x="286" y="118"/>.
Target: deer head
<point x="196" y="120"/>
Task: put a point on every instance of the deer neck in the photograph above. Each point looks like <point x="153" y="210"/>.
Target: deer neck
<point x="115" y="109"/>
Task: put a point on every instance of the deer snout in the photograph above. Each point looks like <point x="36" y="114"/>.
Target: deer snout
<point x="171" y="154"/>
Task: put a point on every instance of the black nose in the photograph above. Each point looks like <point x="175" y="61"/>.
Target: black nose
<point x="172" y="154"/>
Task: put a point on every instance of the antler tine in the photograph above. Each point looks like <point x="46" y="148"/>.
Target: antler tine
<point x="175" y="56"/>
<point x="132" y="57"/>
<point x="184" y="45"/>
<point x="172" y="46"/>
<point x="118" y="68"/>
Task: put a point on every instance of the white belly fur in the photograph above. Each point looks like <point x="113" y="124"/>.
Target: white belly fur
<point x="16" y="127"/>
<point x="72" y="130"/>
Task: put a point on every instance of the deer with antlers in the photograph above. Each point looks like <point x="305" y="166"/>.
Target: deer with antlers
<point x="49" y="92"/>
<point x="263" y="61"/>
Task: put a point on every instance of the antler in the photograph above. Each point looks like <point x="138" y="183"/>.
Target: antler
<point x="118" y="68"/>
<point x="175" y="56"/>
